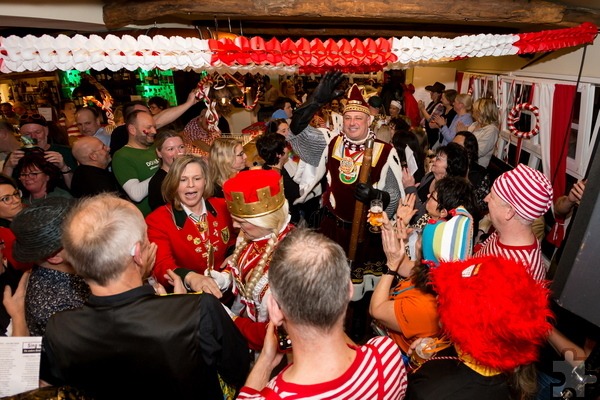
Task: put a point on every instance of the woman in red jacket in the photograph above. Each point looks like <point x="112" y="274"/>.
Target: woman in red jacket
<point x="193" y="231"/>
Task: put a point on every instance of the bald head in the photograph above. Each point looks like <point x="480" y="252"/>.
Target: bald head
<point x="89" y="150"/>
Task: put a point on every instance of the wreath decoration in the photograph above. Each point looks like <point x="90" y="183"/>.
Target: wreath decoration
<point x="515" y="115"/>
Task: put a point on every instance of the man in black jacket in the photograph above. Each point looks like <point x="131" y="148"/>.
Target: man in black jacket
<point x="127" y="342"/>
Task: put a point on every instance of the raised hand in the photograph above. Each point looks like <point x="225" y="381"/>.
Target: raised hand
<point x="326" y="90"/>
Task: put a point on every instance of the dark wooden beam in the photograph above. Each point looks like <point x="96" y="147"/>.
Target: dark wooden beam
<point x="512" y="13"/>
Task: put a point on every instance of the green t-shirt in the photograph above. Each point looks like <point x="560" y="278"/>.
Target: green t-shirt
<point x="129" y="163"/>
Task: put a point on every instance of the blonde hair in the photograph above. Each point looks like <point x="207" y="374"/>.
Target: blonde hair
<point x="284" y="85"/>
<point x="171" y="182"/>
<point x="466" y="100"/>
<point x="222" y="156"/>
<point x="486" y="111"/>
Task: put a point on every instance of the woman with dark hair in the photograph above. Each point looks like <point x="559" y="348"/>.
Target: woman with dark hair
<point x="10" y="205"/>
<point x="478" y="175"/>
<point x="156" y="104"/>
<point x="450" y="160"/>
<point x="39" y="178"/>
<point x="448" y="234"/>
<point x="295" y="172"/>
<point x="193" y="230"/>
<point x="409" y="310"/>
<point x="169" y="145"/>
<point x="278" y="125"/>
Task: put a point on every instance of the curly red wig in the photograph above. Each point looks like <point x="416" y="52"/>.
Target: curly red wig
<point x="492" y="309"/>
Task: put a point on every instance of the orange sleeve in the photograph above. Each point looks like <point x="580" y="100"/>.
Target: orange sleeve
<point x="417" y="315"/>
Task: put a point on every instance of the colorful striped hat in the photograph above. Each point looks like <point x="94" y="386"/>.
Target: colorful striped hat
<point x="527" y="190"/>
<point x="449" y="240"/>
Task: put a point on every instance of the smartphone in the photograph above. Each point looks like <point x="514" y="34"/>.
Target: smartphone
<point x="284" y="343"/>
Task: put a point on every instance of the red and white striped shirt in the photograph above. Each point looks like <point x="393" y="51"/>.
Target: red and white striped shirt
<point x="529" y="255"/>
<point x="377" y="373"/>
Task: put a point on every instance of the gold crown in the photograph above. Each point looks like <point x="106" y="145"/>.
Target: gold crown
<point x="265" y="204"/>
<point x="356" y="106"/>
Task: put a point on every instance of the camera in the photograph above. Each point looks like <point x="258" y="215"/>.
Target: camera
<point x="30" y="145"/>
<point x="284" y="343"/>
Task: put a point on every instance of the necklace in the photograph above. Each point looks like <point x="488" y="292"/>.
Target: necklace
<point x="352" y="146"/>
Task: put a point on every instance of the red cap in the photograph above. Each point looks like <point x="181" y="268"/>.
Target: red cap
<point x="254" y="193"/>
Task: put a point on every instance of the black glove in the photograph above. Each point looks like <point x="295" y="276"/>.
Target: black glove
<point x="365" y="193"/>
<point x="323" y="94"/>
<point x="325" y="90"/>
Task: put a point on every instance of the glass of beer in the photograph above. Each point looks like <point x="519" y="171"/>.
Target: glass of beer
<point x="375" y="215"/>
<point x="425" y="350"/>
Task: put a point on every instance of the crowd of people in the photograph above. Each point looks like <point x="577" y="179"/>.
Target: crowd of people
<point x="156" y="263"/>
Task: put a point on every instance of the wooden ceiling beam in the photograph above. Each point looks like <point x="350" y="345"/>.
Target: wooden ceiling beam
<point x="119" y="13"/>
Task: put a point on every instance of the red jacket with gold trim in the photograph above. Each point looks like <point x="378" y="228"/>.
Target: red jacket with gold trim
<point x="180" y="244"/>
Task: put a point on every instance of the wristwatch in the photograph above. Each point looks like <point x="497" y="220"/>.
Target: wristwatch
<point x="388" y="271"/>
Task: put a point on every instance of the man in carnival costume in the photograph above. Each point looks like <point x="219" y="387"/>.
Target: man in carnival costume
<point x="517" y="198"/>
<point x="339" y="156"/>
<point x="256" y="201"/>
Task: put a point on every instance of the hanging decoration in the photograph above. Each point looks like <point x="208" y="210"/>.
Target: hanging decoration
<point x="107" y="99"/>
<point x="243" y="92"/>
<point x="515" y="115"/>
<point x="204" y="93"/>
<point x="255" y="55"/>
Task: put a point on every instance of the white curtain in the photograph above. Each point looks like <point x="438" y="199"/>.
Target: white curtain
<point x="543" y="98"/>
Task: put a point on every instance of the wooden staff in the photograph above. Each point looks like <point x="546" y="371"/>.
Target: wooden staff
<point x="358" y="222"/>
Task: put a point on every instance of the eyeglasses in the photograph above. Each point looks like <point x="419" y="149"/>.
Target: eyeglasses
<point x="8" y="198"/>
<point x="431" y="196"/>
<point x="26" y="175"/>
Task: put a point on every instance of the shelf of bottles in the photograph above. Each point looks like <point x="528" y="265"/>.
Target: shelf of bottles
<point x="156" y="82"/>
<point x="123" y="85"/>
<point x="33" y="92"/>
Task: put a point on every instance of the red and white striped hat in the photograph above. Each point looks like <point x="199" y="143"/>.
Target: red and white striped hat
<point x="528" y="191"/>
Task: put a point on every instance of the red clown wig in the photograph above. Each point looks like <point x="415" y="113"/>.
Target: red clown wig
<point x="492" y="309"/>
